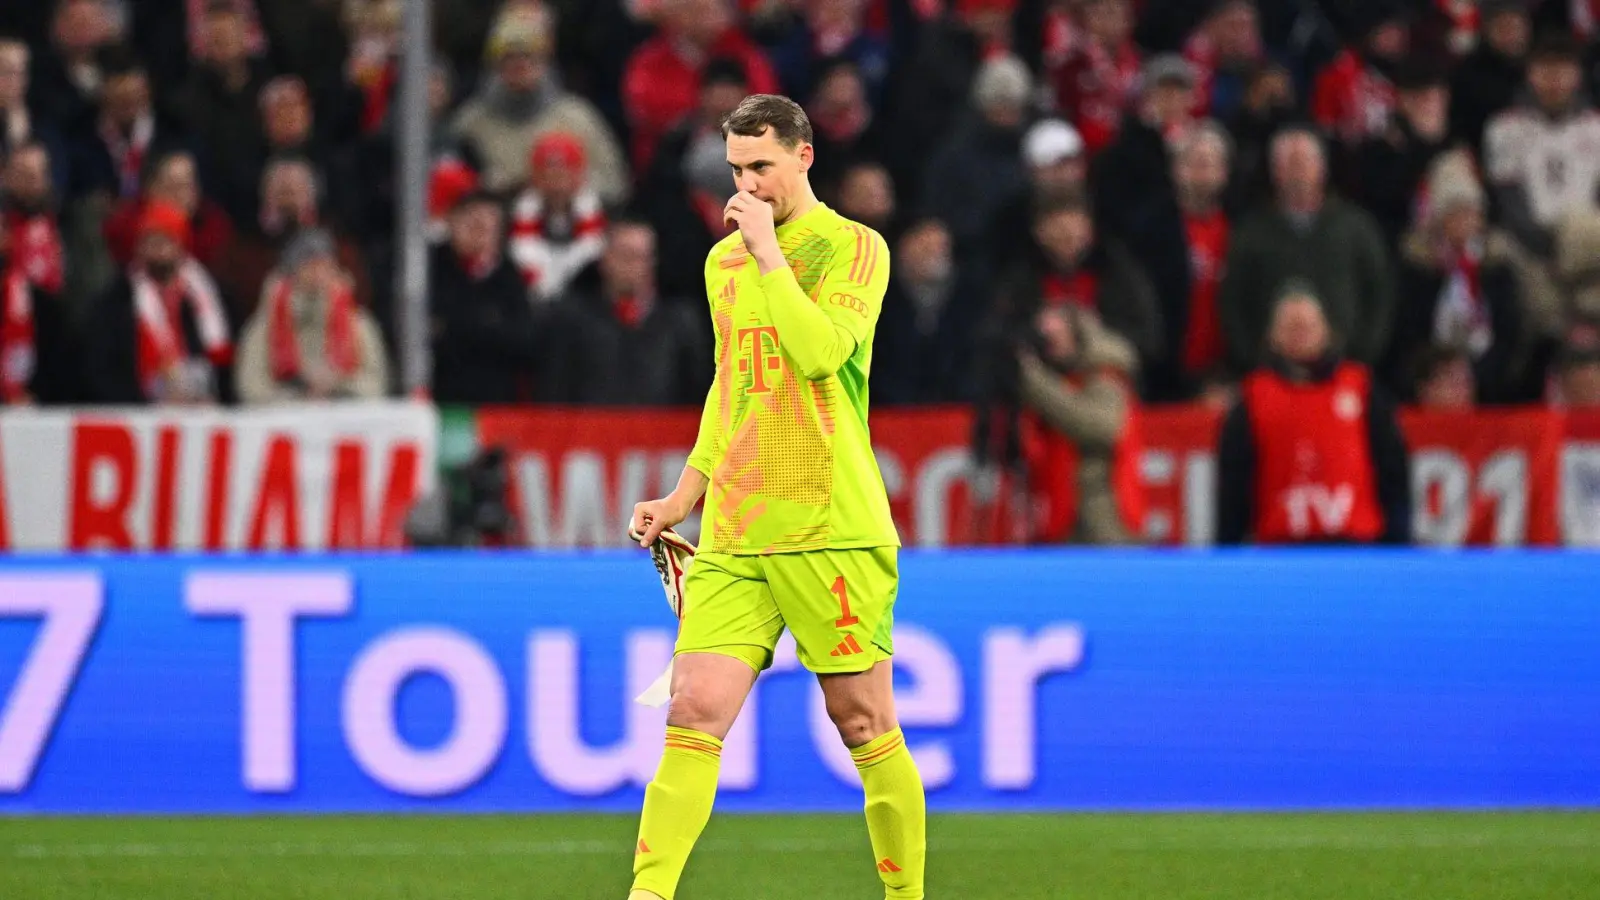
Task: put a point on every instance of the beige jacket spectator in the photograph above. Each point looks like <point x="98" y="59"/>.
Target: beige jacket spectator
<point x="1090" y="409"/>
<point x="522" y="103"/>
<point x="308" y="339"/>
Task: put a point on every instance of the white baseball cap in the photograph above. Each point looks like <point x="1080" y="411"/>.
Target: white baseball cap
<point x="1051" y="141"/>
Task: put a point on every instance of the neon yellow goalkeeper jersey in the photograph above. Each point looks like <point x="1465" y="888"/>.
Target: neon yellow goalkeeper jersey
<point x="784" y="436"/>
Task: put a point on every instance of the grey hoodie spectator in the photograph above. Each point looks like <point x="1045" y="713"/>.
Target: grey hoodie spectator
<point x="522" y="102"/>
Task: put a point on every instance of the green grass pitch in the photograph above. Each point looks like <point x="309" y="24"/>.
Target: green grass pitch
<point x="1392" y="856"/>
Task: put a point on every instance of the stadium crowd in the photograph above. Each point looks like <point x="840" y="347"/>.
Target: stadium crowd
<point x="1092" y="204"/>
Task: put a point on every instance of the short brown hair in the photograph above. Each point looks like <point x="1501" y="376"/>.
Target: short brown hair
<point x="758" y="112"/>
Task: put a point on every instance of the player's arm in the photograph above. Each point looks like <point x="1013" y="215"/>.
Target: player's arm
<point x="819" y="337"/>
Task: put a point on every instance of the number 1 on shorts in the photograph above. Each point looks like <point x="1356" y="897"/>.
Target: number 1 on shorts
<point x="845" y="620"/>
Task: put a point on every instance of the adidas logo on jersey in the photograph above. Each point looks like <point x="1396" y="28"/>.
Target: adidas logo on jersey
<point x="847" y="647"/>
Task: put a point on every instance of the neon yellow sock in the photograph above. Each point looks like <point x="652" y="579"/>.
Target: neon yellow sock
<point x="897" y="816"/>
<point x="677" y="805"/>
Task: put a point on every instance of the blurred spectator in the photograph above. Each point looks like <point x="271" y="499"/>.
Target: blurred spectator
<point x="28" y="214"/>
<point x="831" y="30"/>
<point x="1354" y="96"/>
<point x="1489" y="79"/>
<point x="289" y="128"/>
<point x="127" y="135"/>
<point x="160" y="333"/>
<point x="372" y="70"/>
<point x="662" y="80"/>
<point x="978" y="170"/>
<point x="1080" y="432"/>
<point x="18" y="350"/>
<point x="1542" y="157"/>
<point x="290" y="201"/>
<point x="866" y="195"/>
<point x="18" y="124"/>
<point x="557" y="225"/>
<point x="846" y="129"/>
<point x="308" y="340"/>
<point x="1072" y="268"/>
<point x="521" y="102"/>
<point x="218" y="104"/>
<point x="921" y="349"/>
<point x="1311" y="453"/>
<point x="1444" y="379"/>
<point x="1311" y="236"/>
<point x="453" y="173"/>
<point x="1387" y="171"/>
<point x="689" y="182"/>
<point x="1057" y="169"/>
<point x="1224" y="50"/>
<point x="1462" y="286"/>
<point x="1136" y="201"/>
<point x="1099" y="80"/>
<point x="67" y="77"/>
<point x="1578" y="372"/>
<point x="932" y="87"/>
<point x="1200" y="174"/>
<point x="1268" y="108"/>
<point x="203" y="39"/>
<point x="173" y="180"/>
<point x="485" y="336"/>
<point x="621" y="343"/>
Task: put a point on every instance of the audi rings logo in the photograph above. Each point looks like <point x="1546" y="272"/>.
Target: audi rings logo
<point x="850" y="301"/>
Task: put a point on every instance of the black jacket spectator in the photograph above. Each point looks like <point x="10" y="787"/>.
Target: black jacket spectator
<point x="1136" y="205"/>
<point x="611" y="353"/>
<point x="485" y="336"/>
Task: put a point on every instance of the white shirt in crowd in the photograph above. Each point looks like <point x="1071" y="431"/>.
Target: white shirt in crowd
<point x="1555" y="161"/>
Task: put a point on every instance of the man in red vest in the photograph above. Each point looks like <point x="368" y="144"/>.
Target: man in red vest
<point x="1311" y="453"/>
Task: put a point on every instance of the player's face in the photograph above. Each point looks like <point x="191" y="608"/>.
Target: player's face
<point x="764" y="167"/>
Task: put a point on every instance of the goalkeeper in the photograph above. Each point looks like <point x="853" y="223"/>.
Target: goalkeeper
<point x="796" y="530"/>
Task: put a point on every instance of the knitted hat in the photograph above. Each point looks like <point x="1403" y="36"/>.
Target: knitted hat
<point x="160" y="217"/>
<point x="306" y="245"/>
<point x="558" y="148"/>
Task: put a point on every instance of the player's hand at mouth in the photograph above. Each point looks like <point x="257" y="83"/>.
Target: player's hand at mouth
<point x="753" y="216"/>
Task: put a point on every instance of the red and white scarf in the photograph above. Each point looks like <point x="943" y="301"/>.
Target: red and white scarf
<point x="17" y="353"/>
<point x="1462" y="317"/>
<point x="36" y="250"/>
<point x="339" y="335"/>
<point x="159" y="311"/>
<point x="127" y="153"/>
<point x="551" y="248"/>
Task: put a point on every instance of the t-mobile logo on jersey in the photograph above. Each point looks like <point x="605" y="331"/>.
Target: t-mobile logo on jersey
<point x="759" y="359"/>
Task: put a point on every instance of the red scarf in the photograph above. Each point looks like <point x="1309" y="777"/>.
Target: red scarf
<point x="159" y="312"/>
<point x="36" y="250"/>
<point x="127" y="153"/>
<point x="1208" y="253"/>
<point x="17" y="354"/>
<point x="1080" y="289"/>
<point x="338" y="345"/>
<point x="630" y="309"/>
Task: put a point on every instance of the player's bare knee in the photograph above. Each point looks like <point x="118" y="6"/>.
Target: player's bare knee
<point x="697" y="708"/>
<point x="859" y="723"/>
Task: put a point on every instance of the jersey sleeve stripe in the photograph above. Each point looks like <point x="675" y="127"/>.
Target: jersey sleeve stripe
<point x="855" y="265"/>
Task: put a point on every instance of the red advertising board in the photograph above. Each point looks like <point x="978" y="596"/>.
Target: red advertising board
<point x="1483" y="478"/>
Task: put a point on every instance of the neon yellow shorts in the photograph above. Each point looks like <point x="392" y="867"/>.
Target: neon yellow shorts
<point x="839" y="604"/>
